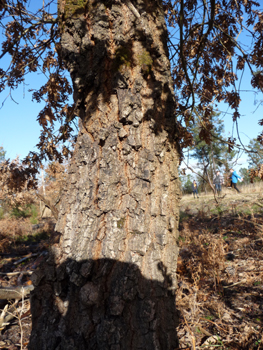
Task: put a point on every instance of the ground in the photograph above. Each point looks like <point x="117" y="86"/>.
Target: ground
<point x="20" y="255"/>
<point x="220" y="273"/>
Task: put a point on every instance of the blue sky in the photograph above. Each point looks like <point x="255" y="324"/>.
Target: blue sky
<point x="19" y="130"/>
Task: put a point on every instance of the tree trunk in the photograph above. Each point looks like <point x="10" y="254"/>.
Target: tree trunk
<point x="213" y="160"/>
<point x="110" y="281"/>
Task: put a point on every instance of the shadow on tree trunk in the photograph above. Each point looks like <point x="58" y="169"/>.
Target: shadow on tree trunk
<point x="102" y="304"/>
<point x="110" y="283"/>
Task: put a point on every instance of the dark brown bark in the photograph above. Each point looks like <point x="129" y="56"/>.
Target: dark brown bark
<point x="110" y="282"/>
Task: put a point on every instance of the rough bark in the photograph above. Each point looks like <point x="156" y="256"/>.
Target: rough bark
<point x="110" y="282"/>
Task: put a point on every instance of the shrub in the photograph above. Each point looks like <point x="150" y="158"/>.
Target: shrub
<point x="28" y="211"/>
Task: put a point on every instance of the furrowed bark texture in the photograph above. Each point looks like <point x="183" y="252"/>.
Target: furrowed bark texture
<point x="110" y="282"/>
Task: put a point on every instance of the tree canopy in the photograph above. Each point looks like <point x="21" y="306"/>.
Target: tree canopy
<point x="207" y="55"/>
<point x="209" y="154"/>
<point x="2" y="154"/>
<point x="255" y="157"/>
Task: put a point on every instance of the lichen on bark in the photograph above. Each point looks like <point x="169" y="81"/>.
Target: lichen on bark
<point x="74" y="8"/>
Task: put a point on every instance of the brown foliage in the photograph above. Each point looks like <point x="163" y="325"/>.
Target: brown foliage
<point x="203" y="66"/>
<point x="19" y="186"/>
<point x="220" y="278"/>
<point x="11" y="229"/>
<point x="202" y="52"/>
<point x="17" y="183"/>
<point x="256" y="172"/>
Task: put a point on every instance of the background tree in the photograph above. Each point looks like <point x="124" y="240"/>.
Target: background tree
<point x="110" y="282"/>
<point x="210" y="156"/>
<point x="255" y="157"/>
<point x="244" y="173"/>
<point x="187" y="181"/>
<point x="2" y="154"/>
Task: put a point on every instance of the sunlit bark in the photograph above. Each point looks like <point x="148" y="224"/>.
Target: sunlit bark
<point x="110" y="282"/>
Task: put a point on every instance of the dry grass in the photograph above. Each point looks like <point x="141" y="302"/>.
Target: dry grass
<point x="220" y="272"/>
<point x="256" y="187"/>
<point x="22" y="249"/>
<point x="11" y="229"/>
<point x="250" y="189"/>
<point x="14" y="230"/>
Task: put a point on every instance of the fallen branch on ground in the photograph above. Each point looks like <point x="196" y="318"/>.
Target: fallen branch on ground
<point x="16" y="293"/>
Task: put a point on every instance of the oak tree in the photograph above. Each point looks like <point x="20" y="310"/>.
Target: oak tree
<point x="110" y="282"/>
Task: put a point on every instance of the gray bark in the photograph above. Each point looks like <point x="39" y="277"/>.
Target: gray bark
<point x="110" y="282"/>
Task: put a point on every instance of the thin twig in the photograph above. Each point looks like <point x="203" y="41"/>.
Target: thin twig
<point x="193" y="338"/>
<point x="29" y="256"/>
<point x="250" y="221"/>
<point x="235" y="284"/>
<point x="15" y="273"/>
<point x="201" y="318"/>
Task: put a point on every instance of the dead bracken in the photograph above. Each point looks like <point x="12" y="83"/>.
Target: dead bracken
<point x="220" y="299"/>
